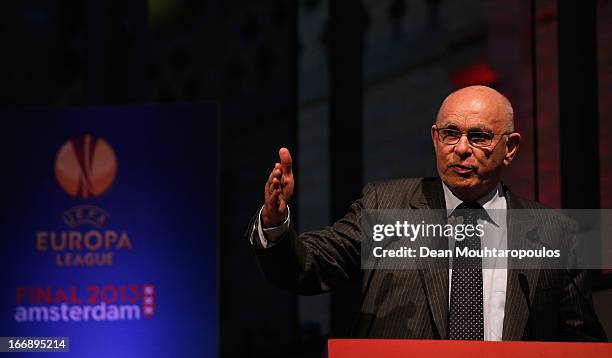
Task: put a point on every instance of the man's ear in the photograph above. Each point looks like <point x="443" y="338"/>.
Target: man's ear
<point x="512" y="145"/>
<point x="434" y="135"/>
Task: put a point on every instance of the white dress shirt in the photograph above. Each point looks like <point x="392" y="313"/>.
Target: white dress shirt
<point x="494" y="276"/>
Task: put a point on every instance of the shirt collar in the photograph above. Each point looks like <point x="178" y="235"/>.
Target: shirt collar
<point x="494" y="202"/>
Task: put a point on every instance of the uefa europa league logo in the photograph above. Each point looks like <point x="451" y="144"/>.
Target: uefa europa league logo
<point x="85" y="167"/>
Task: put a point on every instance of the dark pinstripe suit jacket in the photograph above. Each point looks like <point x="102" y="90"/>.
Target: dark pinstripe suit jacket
<point x="540" y="304"/>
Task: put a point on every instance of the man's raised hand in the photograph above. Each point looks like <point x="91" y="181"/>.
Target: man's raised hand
<point x="278" y="191"/>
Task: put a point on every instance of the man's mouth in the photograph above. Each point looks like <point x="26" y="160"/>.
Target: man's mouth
<point x="463" y="169"/>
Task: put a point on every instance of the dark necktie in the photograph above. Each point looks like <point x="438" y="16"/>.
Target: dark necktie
<point x="466" y="317"/>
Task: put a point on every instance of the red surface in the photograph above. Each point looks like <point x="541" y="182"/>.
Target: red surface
<point x="479" y="73"/>
<point x="395" y="348"/>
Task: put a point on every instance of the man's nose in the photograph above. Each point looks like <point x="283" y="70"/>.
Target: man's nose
<point x="463" y="148"/>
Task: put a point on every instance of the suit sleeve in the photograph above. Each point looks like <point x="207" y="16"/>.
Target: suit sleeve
<point x="315" y="262"/>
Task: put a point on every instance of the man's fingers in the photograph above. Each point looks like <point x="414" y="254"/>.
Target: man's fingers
<point x="274" y="174"/>
<point x="285" y="158"/>
<point x="273" y="201"/>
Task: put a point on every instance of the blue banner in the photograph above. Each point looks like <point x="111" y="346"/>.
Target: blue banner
<point x="109" y="224"/>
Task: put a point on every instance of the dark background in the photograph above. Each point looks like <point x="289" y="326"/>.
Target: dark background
<point x="351" y="87"/>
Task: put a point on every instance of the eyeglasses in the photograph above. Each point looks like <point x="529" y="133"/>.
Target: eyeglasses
<point x="479" y="139"/>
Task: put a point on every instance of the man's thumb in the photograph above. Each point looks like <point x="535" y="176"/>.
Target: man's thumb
<point x="285" y="159"/>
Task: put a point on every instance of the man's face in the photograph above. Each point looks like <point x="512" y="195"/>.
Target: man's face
<point x="471" y="171"/>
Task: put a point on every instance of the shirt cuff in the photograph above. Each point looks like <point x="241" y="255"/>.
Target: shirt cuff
<point x="270" y="236"/>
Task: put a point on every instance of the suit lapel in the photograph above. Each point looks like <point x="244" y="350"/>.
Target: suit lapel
<point x="435" y="279"/>
<point x="521" y="281"/>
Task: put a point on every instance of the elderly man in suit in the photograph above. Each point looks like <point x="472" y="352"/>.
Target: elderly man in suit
<point x="474" y="141"/>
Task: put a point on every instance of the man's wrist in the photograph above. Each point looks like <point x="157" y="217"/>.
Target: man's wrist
<point x="268" y="236"/>
<point x="264" y="226"/>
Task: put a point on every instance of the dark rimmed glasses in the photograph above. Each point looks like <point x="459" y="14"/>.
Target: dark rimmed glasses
<point x="479" y="139"/>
